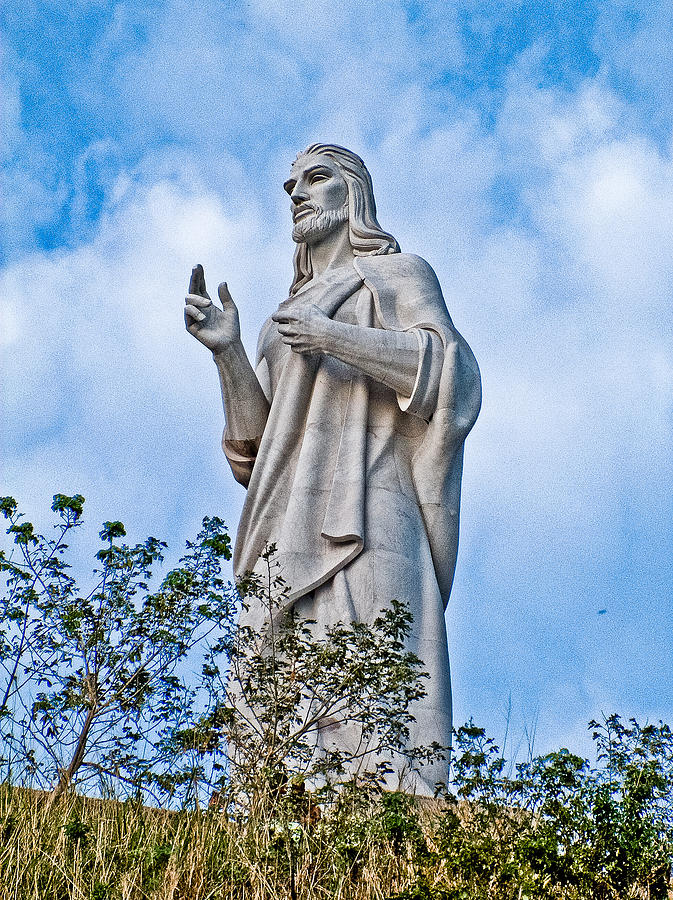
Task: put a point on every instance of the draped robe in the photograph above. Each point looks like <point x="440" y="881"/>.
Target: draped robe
<point x="358" y="487"/>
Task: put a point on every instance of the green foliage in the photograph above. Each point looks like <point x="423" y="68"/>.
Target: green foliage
<point x="93" y="678"/>
<point x="101" y="691"/>
<point x="560" y="827"/>
<point x="271" y="692"/>
<point x="399" y="823"/>
<point x="76" y="831"/>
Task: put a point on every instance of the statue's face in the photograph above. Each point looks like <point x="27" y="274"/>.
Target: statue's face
<point x="319" y="197"/>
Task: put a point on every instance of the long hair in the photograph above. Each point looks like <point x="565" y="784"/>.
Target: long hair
<point x="366" y="236"/>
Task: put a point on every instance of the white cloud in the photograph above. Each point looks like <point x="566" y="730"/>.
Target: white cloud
<point x="570" y="464"/>
<point x="101" y="382"/>
<point x="614" y="207"/>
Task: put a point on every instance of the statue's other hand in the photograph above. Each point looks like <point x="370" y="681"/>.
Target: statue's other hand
<point x="216" y="328"/>
<point x="304" y="327"/>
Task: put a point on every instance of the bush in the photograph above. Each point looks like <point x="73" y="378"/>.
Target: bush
<point x="560" y="827"/>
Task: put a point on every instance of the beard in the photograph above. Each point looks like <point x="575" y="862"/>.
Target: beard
<point x="314" y="227"/>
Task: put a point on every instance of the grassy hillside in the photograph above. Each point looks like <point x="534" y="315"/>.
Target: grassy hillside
<point x="573" y="844"/>
<point x="140" y="692"/>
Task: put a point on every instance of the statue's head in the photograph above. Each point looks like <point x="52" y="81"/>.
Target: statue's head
<point x="354" y="205"/>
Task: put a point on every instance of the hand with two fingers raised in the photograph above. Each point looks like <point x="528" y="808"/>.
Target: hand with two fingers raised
<point x="217" y="329"/>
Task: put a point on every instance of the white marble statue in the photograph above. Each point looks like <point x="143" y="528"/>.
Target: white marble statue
<point x="348" y="433"/>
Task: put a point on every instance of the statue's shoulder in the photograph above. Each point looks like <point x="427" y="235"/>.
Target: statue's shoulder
<point x="405" y="290"/>
<point x="406" y="267"/>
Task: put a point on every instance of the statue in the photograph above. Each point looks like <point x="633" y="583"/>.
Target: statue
<point x="348" y="434"/>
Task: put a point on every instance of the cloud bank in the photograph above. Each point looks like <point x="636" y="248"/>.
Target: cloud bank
<point x="535" y="182"/>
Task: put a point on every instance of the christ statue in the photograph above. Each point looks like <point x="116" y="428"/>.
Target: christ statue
<point x="348" y="432"/>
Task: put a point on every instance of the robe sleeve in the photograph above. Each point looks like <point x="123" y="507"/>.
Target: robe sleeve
<point x="241" y="455"/>
<point x="423" y="399"/>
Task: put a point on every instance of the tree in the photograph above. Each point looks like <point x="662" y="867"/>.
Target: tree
<point x="271" y="694"/>
<point x="93" y="678"/>
<point x="40" y="569"/>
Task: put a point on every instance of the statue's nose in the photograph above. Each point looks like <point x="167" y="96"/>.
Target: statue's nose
<point x="297" y="196"/>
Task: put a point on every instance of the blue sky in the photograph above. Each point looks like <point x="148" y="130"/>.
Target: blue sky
<point x="524" y="149"/>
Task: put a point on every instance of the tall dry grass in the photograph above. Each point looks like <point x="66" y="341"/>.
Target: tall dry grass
<point x="88" y="849"/>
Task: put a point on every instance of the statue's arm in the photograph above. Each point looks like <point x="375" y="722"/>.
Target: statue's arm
<point x="391" y="357"/>
<point x="245" y="405"/>
<point x="245" y="410"/>
<point x="398" y="359"/>
<point x="409" y="362"/>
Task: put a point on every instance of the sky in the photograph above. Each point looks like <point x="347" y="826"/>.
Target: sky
<point x="523" y="148"/>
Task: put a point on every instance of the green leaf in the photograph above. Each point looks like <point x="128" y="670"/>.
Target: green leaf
<point x="112" y="530"/>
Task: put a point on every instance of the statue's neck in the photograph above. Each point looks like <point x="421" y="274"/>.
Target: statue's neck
<point x="332" y="252"/>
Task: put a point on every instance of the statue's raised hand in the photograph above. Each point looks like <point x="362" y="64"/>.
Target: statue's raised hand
<point x="216" y="328"/>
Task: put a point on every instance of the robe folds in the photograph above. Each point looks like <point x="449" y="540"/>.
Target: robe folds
<point x="358" y="487"/>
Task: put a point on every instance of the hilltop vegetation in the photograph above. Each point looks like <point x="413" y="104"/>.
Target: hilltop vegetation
<point x="136" y="695"/>
<point x="557" y="829"/>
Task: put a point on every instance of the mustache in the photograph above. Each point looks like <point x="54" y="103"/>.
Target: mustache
<point x="304" y="208"/>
